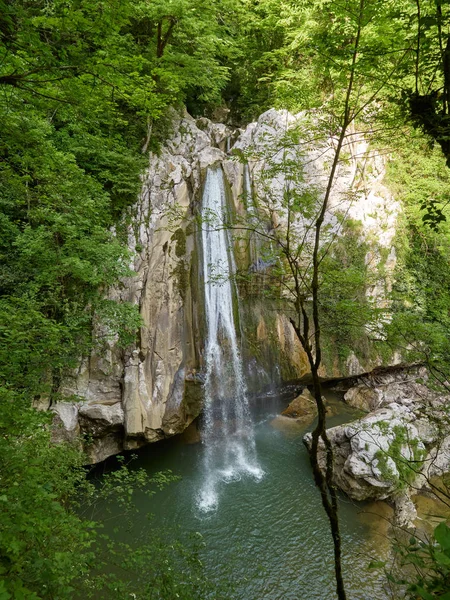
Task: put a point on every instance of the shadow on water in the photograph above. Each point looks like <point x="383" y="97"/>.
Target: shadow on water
<point x="269" y="537"/>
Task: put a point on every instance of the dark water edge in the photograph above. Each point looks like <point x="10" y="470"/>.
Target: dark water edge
<point x="268" y="539"/>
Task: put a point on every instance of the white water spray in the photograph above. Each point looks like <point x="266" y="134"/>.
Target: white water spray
<point x="260" y="257"/>
<point x="248" y="191"/>
<point x="252" y="217"/>
<point x="228" y="429"/>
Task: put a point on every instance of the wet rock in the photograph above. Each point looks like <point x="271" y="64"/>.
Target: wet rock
<point x="196" y="376"/>
<point x="101" y="448"/>
<point x="398" y="447"/>
<point x="291" y="428"/>
<point x="375" y="390"/>
<point x="405" y="511"/>
<point x="364" y="398"/>
<point x="372" y="454"/>
<point x="303" y="408"/>
<point x="192" y="434"/>
<point x="428" y="430"/>
<point x="437" y="462"/>
<point x="217" y="132"/>
<point x="430" y="509"/>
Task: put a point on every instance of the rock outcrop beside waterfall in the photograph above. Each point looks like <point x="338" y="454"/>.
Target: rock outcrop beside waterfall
<point x="359" y="195"/>
<point x="127" y="398"/>
<point x="399" y="446"/>
<point x="122" y="399"/>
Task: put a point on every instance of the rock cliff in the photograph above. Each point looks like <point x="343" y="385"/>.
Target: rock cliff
<point x="122" y="399"/>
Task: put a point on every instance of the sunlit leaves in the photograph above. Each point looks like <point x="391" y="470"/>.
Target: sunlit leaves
<point x="80" y="83"/>
<point x="429" y="577"/>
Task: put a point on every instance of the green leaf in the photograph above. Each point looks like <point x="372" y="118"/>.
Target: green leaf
<point x="442" y="559"/>
<point x="424" y="594"/>
<point x="442" y="535"/>
<point x="4" y="594"/>
<point x="428" y="21"/>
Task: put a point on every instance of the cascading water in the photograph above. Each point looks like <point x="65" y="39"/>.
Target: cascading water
<point x="228" y="429"/>
<point x="252" y="217"/>
<point x="260" y="257"/>
<point x="248" y="190"/>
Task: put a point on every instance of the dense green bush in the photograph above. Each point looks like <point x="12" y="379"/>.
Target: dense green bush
<point x="84" y="84"/>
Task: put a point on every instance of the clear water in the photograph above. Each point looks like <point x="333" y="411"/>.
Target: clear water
<point x="269" y="537"/>
<point x="228" y="435"/>
<point x="248" y="488"/>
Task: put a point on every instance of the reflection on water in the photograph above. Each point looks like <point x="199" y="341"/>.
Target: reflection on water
<point x="270" y="537"/>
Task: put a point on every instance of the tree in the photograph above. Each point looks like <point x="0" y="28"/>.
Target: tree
<point x="302" y="249"/>
<point x="430" y="94"/>
<point x="345" y="49"/>
<point x="81" y="82"/>
<point x="420" y="303"/>
<point x="52" y="539"/>
<point x="84" y="89"/>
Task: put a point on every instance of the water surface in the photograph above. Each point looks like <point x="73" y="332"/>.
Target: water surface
<point x="270" y="537"/>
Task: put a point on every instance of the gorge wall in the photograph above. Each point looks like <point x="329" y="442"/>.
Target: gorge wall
<point x="122" y="399"/>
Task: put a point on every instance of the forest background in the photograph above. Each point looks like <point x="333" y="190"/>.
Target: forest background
<point x="86" y="89"/>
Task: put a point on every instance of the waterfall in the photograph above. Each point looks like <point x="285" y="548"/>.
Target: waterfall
<point x="254" y="245"/>
<point x="248" y="190"/>
<point x="228" y="436"/>
<point x="260" y="257"/>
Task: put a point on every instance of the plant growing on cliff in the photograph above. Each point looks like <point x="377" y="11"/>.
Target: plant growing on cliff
<point x="82" y="85"/>
<point x="405" y="452"/>
<point x="307" y="255"/>
<point x="303" y="242"/>
<point x="421" y="300"/>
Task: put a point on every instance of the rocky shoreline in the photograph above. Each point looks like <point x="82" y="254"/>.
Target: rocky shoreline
<point x="398" y="447"/>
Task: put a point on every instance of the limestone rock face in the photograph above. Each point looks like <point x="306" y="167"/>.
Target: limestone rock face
<point x="400" y="385"/>
<point x="358" y="193"/>
<point x="371" y="455"/>
<point x="437" y="462"/>
<point x="130" y="397"/>
<point x="125" y="398"/>
<point x="405" y="510"/>
<point x="99" y="419"/>
<point x="100" y="423"/>
<point x="65" y="423"/>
